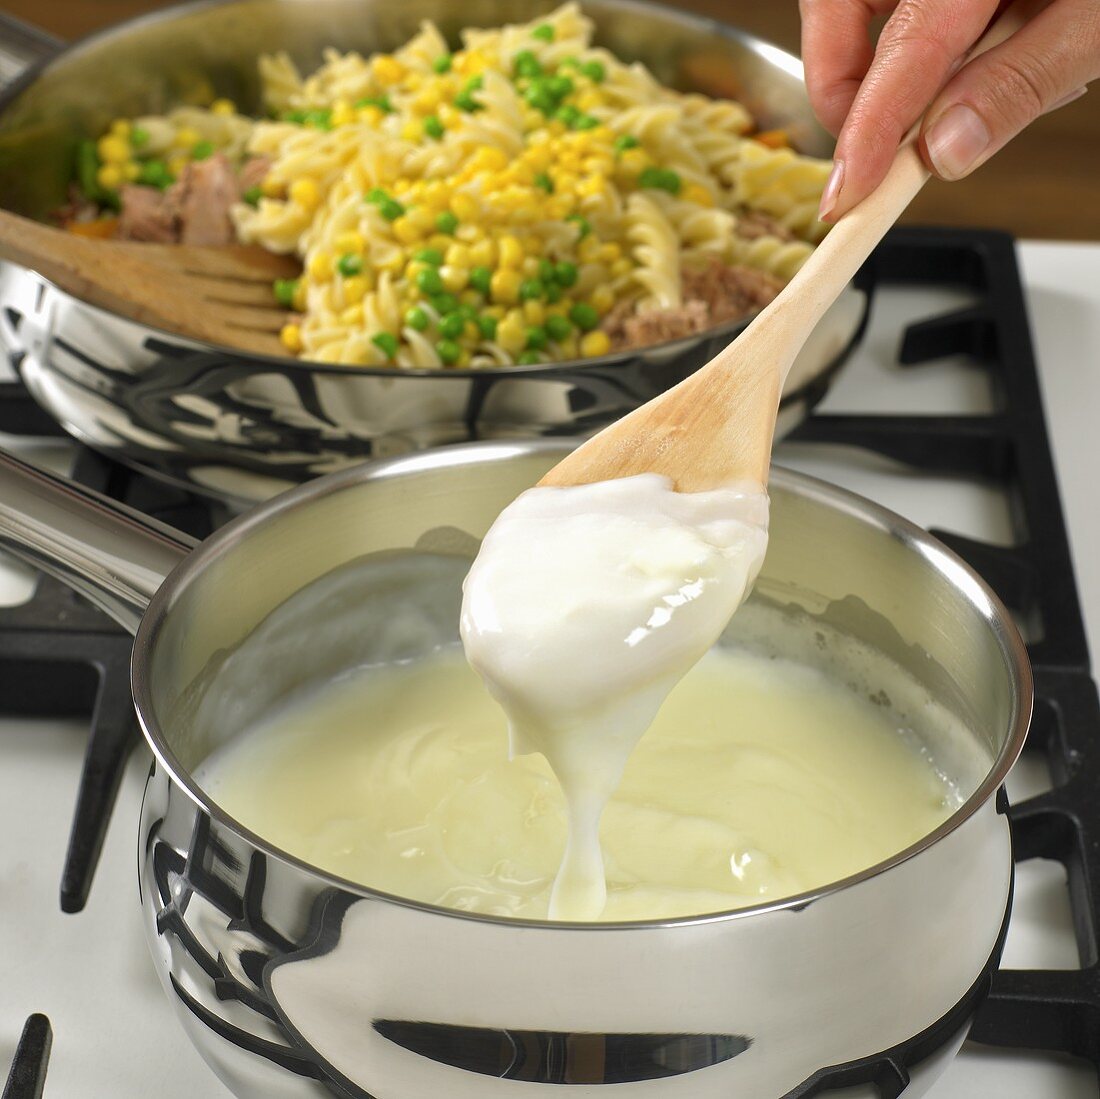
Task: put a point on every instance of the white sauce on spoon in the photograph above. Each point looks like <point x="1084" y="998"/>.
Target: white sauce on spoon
<point x="584" y="608"/>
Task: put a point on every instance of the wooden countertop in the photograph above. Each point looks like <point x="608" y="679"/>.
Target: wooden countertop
<point x="1045" y="185"/>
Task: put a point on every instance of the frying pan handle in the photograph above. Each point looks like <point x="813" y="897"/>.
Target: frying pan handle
<point x="23" y="47"/>
<point x="111" y="554"/>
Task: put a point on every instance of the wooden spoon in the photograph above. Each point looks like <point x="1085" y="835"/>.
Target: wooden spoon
<point x="219" y="294"/>
<point x="716" y="426"/>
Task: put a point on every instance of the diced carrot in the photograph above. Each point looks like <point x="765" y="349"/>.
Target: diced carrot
<point x="774" y="139"/>
<point x="100" y="229"/>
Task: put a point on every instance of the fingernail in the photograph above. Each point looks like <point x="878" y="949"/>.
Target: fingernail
<point x="1066" y="99"/>
<point x="956" y="141"/>
<point x="832" y="190"/>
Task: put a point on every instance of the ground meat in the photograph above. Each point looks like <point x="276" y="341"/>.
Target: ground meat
<point x="203" y="194"/>
<point x="753" y="224"/>
<point x="147" y="215"/>
<point x="712" y="295"/>
<point x="252" y="172"/>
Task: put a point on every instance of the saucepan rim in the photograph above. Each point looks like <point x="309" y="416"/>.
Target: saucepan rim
<point x="963" y="579"/>
<point x="727" y="329"/>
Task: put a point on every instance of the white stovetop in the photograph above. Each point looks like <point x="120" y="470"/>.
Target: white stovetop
<point x="114" y="1032"/>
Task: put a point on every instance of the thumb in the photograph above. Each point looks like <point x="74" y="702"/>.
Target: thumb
<point x="1044" y="65"/>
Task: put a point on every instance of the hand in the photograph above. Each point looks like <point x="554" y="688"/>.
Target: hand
<point x="871" y="97"/>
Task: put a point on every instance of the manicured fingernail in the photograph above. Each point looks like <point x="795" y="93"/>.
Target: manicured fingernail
<point x="956" y="141"/>
<point x="1066" y="99"/>
<point x="832" y="190"/>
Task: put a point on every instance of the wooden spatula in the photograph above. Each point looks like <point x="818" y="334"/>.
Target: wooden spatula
<point x="219" y="294"/>
<point x="716" y="426"/>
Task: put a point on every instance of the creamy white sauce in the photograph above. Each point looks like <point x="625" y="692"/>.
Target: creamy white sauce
<point x="760" y="778"/>
<point x="583" y="609"/>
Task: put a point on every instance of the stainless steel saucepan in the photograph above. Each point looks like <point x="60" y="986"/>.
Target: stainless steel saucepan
<point x="291" y="981"/>
<point x="243" y="426"/>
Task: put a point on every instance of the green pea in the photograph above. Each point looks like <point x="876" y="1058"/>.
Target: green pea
<point x="586" y="122"/>
<point x="319" y="119"/>
<point x="595" y="71"/>
<point x="565" y="273"/>
<point x="431" y="256"/>
<point x="416" y="318"/>
<point x="475" y="83"/>
<point x="349" y="264"/>
<point x="531" y="290"/>
<point x="446" y="222"/>
<point x="464" y="101"/>
<point x="661" y="179"/>
<point x="139" y="137"/>
<point x="529" y="358"/>
<point x="298" y="117"/>
<point x="442" y="64"/>
<point x="626" y="141"/>
<point x="480" y="279"/>
<point x="584" y="316"/>
<point x="387" y="342"/>
<point x="553" y="293"/>
<point x="546" y="271"/>
<point x="544" y="32"/>
<point x="155" y="173"/>
<point x="526" y="64"/>
<point x="568" y="114"/>
<point x="569" y="63"/>
<point x="448" y="351"/>
<point x="558" y="328"/>
<point x="433" y="127"/>
<point x="539" y="97"/>
<point x="430" y="281"/>
<point x="488" y="327"/>
<point x="560" y="86"/>
<point x="201" y="150"/>
<point x="543" y="181"/>
<point x="285" y="290"/>
<point x="466" y="311"/>
<point x="451" y="326"/>
<point x="444" y="303"/>
<point x="391" y="209"/>
<point x="382" y="102"/>
<point x="584" y="227"/>
<point x="536" y="338"/>
<point x="376" y="195"/>
<point x="252" y="196"/>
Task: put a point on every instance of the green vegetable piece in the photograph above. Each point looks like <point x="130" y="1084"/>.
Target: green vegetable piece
<point x="584" y="316"/>
<point x="87" y="165"/>
<point x="451" y="326"/>
<point x="466" y="311"/>
<point x="539" y="97"/>
<point x="488" y="327"/>
<point x="429" y="281"/>
<point x="586" y="122"/>
<point x="298" y="117"/>
<point x="442" y="64"/>
<point x="464" y="101"/>
<point x="139" y="137"/>
<point x="546" y="271"/>
<point x="526" y="64"/>
<point x="626" y="141"/>
<point x="661" y="179"/>
<point x="285" y="290"/>
<point x="569" y="63"/>
<point x="376" y="195"/>
<point x="595" y="71"/>
<point x="201" y="150"/>
<point x="252" y="196"/>
<point x="565" y="273"/>
<point x="416" y="318"/>
<point x="475" y="83"/>
<point x="582" y="223"/>
<point x="155" y="173"/>
<point x="387" y="341"/>
<point x="320" y="119"/>
<point x="448" y="351"/>
<point x="537" y="338"/>
<point x="391" y="209"/>
<point x="433" y="127"/>
<point x="568" y="114"/>
<point x="429" y="255"/>
<point x="382" y="102"/>
<point x="444" y="303"/>
<point x="349" y="264"/>
<point x="558" y="328"/>
<point x="545" y="182"/>
<point x="531" y="290"/>
<point x="553" y="293"/>
<point x="529" y="358"/>
<point x="480" y="279"/>
<point x="560" y="86"/>
<point x="544" y="32"/>
<point x="446" y="222"/>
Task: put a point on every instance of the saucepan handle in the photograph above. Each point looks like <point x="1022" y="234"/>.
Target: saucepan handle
<point x="23" y="47"/>
<point x="112" y="554"/>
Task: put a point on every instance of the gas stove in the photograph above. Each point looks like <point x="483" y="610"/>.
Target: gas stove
<point x="939" y="416"/>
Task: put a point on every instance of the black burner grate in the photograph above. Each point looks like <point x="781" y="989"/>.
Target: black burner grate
<point x="71" y="659"/>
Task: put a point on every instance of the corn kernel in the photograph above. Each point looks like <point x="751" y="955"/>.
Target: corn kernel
<point x="411" y="131"/>
<point x="449" y="115"/>
<point x="291" y="337"/>
<point x="511" y="252"/>
<point x="534" y="312"/>
<point x="387" y="69"/>
<point x="483" y="253"/>
<point x="458" y="255"/>
<point x="436" y="194"/>
<point x="370" y="115"/>
<point x="592" y="186"/>
<point x="697" y="193"/>
<point x="350" y="241"/>
<point x="393" y="262"/>
<point x="355" y="289"/>
<point x="529" y="267"/>
<point x="186" y="137"/>
<point x="595" y="343"/>
<point x="414" y="81"/>
<point x="121" y="127"/>
<point x="343" y="113"/>
<point x="223" y="107"/>
<point x="454" y="278"/>
<point x="504" y="286"/>
<point x="109" y="176"/>
<point x="423" y="220"/>
<point x="539" y="158"/>
<point x="634" y="161"/>
<point x="428" y="100"/>
<point x="352" y="316"/>
<point x="405" y="230"/>
<point x="471" y="332"/>
<point x="622" y="267"/>
<point x="560" y="207"/>
<point x="113" y="150"/>
<point x="305" y="192"/>
<point x="512" y="332"/>
<point x="602" y="299"/>
<point x="464" y="206"/>
<point x="568" y="347"/>
<point x="440" y="242"/>
<point x="565" y="183"/>
<point x="320" y="266"/>
<point x="489" y="158"/>
<point x="300" y="296"/>
<point x="589" y="100"/>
